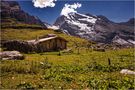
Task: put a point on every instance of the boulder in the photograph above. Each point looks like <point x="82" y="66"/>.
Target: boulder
<point x="126" y="71"/>
<point x="11" y="55"/>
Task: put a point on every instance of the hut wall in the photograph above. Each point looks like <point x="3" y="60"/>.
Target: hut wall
<point x="63" y="45"/>
<point x="49" y="45"/>
<point x="43" y="46"/>
<point x="53" y="44"/>
<point x="58" y="43"/>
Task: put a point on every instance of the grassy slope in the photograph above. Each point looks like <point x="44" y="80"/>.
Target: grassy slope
<point x="28" y="34"/>
<point x="89" y="69"/>
<point x="13" y="23"/>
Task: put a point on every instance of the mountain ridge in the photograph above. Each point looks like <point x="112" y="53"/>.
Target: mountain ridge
<point x="12" y="14"/>
<point x="95" y="28"/>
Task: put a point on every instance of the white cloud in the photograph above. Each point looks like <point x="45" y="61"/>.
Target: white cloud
<point x="70" y="8"/>
<point x="44" y="3"/>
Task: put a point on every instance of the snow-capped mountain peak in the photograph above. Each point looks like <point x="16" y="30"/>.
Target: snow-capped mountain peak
<point x="82" y="17"/>
<point x="95" y="28"/>
<point x="77" y="23"/>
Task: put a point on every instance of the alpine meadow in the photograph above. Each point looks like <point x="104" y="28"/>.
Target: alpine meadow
<point x="61" y="45"/>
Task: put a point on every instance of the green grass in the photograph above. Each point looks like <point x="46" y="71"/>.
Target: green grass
<point x="69" y="70"/>
<point x="87" y="70"/>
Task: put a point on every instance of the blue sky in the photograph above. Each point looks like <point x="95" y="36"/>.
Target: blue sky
<point x="117" y="11"/>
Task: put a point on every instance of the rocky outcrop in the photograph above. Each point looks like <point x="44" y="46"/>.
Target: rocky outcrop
<point x="11" y="55"/>
<point x="22" y="46"/>
<point x="12" y="14"/>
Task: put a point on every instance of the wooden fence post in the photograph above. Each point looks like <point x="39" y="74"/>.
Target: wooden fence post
<point x="109" y="61"/>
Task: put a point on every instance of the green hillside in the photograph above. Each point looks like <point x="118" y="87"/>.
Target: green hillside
<point x="28" y="34"/>
<point x="87" y="69"/>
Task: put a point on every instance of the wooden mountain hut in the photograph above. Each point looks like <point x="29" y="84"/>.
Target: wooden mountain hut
<point x="49" y="44"/>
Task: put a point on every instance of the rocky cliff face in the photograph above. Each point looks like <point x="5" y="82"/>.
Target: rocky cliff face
<point x="96" y="28"/>
<point x="12" y="13"/>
